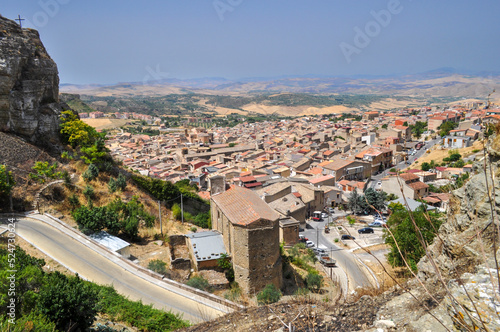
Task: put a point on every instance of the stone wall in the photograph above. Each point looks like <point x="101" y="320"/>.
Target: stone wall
<point x="256" y="255"/>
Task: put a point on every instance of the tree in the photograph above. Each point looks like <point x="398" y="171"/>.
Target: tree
<point x="76" y="132"/>
<point x="425" y="166"/>
<point x="224" y="262"/>
<point x="446" y="127"/>
<point x="356" y="202"/>
<point x="94" y="219"/>
<point x="73" y="201"/>
<point x="384" y="126"/>
<point x="43" y="172"/>
<point x="418" y="128"/>
<point x="112" y="185"/>
<point x="376" y="200"/>
<point x="91" y="173"/>
<point x="405" y="123"/>
<point x="89" y="193"/>
<point x="270" y="294"/>
<point x="93" y="154"/>
<point x="6" y="181"/>
<point x="69" y="302"/>
<point x="406" y="235"/>
<point x="121" y="182"/>
<point x="314" y="281"/>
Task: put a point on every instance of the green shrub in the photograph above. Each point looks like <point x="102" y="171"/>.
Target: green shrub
<point x="351" y="220"/>
<point x="73" y="201"/>
<point x="336" y="240"/>
<point x="6" y="181"/>
<point x="314" y="281"/>
<point x="199" y="282"/>
<point x="193" y="229"/>
<point x="270" y="294"/>
<point x="158" y="266"/>
<point x="176" y="211"/>
<point x="89" y="193"/>
<point x="91" y="173"/>
<point x="43" y="172"/>
<point x="233" y="294"/>
<point x="301" y="291"/>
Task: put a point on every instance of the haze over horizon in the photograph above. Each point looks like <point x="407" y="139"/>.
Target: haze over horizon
<point x="123" y="41"/>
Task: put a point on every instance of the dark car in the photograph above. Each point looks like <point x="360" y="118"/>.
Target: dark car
<point x="366" y="230"/>
<point x="348" y="237"/>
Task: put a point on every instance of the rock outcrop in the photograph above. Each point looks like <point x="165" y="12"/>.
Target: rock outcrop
<point x="460" y="273"/>
<point x="29" y="86"/>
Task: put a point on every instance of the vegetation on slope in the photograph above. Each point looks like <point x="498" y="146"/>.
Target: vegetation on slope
<point x="56" y="302"/>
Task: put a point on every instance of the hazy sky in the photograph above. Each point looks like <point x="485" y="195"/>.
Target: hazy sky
<point x="111" y="41"/>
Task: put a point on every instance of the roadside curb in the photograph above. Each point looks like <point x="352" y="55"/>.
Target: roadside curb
<point x="136" y="269"/>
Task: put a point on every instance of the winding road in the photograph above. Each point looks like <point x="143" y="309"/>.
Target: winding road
<point x="95" y="264"/>
<point x="355" y="273"/>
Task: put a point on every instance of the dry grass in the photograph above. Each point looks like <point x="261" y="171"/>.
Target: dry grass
<point x="438" y="154"/>
<point x="105" y="123"/>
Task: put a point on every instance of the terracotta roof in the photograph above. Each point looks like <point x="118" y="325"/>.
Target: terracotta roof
<point x="247" y="178"/>
<point x="321" y="179"/>
<point x="408" y="176"/>
<point x="417" y="185"/>
<point x="432" y="199"/>
<point x="243" y="207"/>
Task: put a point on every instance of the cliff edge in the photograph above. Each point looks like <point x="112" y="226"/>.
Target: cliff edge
<point x="29" y="86"/>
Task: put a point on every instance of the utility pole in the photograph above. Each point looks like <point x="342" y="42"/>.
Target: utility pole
<point x="159" y="213"/>
<point x="182" y="210"/>
<point x="317" y="237"/>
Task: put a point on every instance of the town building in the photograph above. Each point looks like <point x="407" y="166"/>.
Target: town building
<point x="250" y="229"/>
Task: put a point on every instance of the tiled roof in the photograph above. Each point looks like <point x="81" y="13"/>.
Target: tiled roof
<point x="321" y="179"/>
<point x="408" y="176"/>
<point x="243" y="207"/>
<point x="418" y="185"/>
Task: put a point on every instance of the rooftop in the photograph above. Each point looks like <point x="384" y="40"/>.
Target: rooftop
<point x="207" y="245"/>
<point x="243" y="207"/>
<point x="109" y="241"/>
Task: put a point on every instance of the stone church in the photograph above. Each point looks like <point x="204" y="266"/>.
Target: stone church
<point x="250" y="229"/>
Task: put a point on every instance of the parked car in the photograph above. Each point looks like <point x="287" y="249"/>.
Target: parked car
<point x="377" y="224"/>
<point x="302" y="238"/>
<point x="366" y="230"/>
<point x="330" y="210"/>
<point x="324" y="216"/>
<point x="347" y="237"/>
<point x="319" y="251"/>
<point x="310" y="244"/>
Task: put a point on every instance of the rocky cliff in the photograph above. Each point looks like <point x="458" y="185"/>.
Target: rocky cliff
<point x="29" y="86"/>
<point x="457" y="287"/>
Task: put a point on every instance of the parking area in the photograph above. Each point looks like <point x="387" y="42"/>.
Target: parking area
<point x="342" y="227"/>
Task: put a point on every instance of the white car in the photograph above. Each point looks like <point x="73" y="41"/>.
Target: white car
<point x="310" y="244"/>
<point x="324" y="216"/>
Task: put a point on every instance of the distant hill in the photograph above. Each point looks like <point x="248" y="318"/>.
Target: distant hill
<point x="297" y="95"/>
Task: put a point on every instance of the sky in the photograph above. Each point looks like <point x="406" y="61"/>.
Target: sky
<point x="111" y="41"/>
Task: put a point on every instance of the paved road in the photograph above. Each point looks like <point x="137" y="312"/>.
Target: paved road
<point x="345" y="259"/>
<point x="93" y="266"/>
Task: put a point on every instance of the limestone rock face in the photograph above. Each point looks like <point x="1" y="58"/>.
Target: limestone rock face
<point x="29" y="86"/>
<point x="458" y="248"/>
